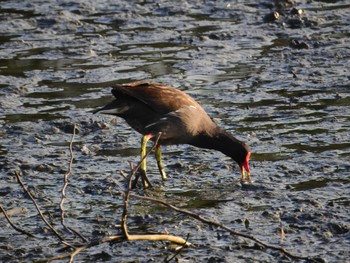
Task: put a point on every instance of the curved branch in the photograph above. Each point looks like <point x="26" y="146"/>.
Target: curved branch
<point x="121" y="238"/>
<point x="127" y="192"/>
<point x="66" y="181"/>
<point x="17" y="173"/>
<point x="65" y="185"/>
<point x="220" y="225"/>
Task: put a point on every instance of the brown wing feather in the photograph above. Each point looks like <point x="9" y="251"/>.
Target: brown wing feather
<point x="161" y="98"/>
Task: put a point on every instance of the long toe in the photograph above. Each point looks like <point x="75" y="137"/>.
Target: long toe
<point x="145" y="181"/>
<point x="134" y="182"/>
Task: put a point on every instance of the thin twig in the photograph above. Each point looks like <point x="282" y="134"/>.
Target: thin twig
<point x="76" y="252"/>
<point x="123" y="174"/>
<point x="220" y="225"/>
<point x="17" y="173"/>
<point x="13" y="225"/>
<point x="199" y="167"/>
<point x="125" y="236"/>
<point x="78" y="234"/>
<point x="178" y="251"/>
<point x="66" y="181"/>
<point x="81" y="247"/>
<point x="65" y="185"/>
<point x="283" y="235"/>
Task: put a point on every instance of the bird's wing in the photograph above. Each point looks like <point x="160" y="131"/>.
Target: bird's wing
<point x="180" y="126"/>
<point x="162" y="99"/>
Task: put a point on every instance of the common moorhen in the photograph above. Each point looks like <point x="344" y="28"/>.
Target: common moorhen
<point x="156" y="110"/>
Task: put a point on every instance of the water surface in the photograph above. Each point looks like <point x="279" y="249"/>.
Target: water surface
<point x="281" y="86"/>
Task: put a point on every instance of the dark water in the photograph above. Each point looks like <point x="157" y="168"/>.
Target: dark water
<point x="281" y="86"/>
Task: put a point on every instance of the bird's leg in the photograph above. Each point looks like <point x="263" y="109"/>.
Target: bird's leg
<point x="249" y="179"/>
<point x="243" y="174"/>
<point x="158" y="154"/>
<point x="143" y="167"/>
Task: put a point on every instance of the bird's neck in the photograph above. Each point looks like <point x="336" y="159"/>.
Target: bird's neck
<point x="222" y="141"/>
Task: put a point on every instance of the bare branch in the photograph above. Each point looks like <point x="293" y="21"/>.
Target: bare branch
<point x="220" y="225"/>
<point x="160" y="237"/>
<point x="17" y="173"/>
<point x="13" y="225"/>
<point x="65" y="185"/>
<point x="283" y="235"/>
<point x="120" y="238"/>
<point x="127" y="192"/>
<point x="179" y="250"/>
<point x="66" y="181"/>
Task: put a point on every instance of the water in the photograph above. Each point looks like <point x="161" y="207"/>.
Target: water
<point x="290" y="104"/>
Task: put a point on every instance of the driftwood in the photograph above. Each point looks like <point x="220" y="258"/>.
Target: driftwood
<point x="77" y="247"/>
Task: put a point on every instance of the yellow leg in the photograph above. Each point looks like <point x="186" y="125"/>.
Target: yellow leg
<point x="248" y="177"/>
<point x="143" y="168"/>
<point x="243" y="174"/>
<point x="158" y="154"/>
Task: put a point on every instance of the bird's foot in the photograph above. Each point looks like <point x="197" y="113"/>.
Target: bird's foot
<point x="145" y="181"/>
<point x="134" y="182"/>
<point x="246" y="181"/>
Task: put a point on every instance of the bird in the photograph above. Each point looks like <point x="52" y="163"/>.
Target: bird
<point x="169" y="116"/>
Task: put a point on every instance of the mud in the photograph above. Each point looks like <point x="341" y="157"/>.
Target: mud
<point x="274" y="74"/>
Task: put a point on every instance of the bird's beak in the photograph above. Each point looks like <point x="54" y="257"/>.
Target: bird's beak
<point x="245" y="168"/>
<point x="111" y="109"/>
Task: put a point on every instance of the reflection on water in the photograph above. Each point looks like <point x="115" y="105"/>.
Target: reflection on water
<point x="312" y="184"/>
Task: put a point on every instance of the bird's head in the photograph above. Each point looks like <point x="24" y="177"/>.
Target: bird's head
<point x="236" y="149"/>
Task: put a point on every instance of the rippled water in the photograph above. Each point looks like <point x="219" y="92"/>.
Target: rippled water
<point x="289" y="102"/>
